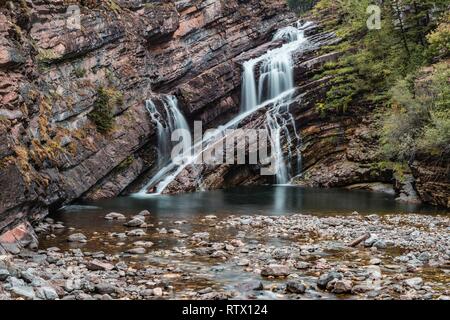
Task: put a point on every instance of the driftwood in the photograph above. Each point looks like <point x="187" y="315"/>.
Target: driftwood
<point x="357" y="241"/>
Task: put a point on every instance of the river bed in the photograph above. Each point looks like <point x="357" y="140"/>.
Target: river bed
<point x="277" y="242"/>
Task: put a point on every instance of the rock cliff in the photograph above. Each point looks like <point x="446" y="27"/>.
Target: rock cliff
<point x="74" y="76"/>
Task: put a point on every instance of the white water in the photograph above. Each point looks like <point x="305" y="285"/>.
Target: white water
<point x="275" y="77"/>
<point x="274" y="88"/>
<point x="169" y="119"/>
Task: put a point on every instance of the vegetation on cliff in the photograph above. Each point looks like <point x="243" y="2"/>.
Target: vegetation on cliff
<point x="102" y="114"/>
<point x="401" y="67"/>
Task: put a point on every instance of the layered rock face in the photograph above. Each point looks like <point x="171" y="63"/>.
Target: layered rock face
<point x="58" y="57"/>
<point x="337" y="149"/>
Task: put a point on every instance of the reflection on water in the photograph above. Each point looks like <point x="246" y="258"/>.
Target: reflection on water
<point x="266" y="200"/>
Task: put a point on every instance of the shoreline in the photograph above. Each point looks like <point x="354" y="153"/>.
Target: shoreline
<point x="405" y="256"/>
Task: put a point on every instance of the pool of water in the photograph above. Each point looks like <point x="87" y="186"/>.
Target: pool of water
<point x="263" y="200"/>
<point x="88" y="218"/>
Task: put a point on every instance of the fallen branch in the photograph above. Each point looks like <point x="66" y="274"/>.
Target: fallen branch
<point x="357" y="241"/>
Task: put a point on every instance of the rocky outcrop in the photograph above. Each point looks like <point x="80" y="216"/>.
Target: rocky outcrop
<point x="55" y="60"/>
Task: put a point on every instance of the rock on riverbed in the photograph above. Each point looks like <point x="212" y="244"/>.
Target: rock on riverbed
<point x="279" y="257"/>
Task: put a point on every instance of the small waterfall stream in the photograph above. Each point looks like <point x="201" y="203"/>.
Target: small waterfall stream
<point x="273" y="89"/>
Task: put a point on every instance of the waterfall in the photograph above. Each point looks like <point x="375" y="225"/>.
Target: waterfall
<point x="276" y="77"/>
<point x="167" y="120"/>
<point x="275" y="69"/>
<point x="272" y="90"/>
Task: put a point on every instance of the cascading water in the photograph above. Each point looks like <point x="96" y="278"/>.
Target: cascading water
<point x="169" y="119"/>
<point x="276" y="77"/>
<point x="273" y="90"/>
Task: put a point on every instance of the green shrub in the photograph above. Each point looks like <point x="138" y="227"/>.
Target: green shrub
<point x="419" y="120"/>
<point x="102" y="114"/>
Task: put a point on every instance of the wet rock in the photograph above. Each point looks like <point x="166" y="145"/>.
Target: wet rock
<point x="362" y="288"/>
<point x="237" y="243"/>
<point x="200" y="236"/>
<point x="372" y="239"/>
<point x="12" y="248"/>
<point x="210" y="217"/>
<point x="25" y="292"/>
<point x="146" y="293"/>
<point x="250" y="286"/>
<point x="96" y="265"/>
<point x="136" y="233"/>
<point x="243" y="262"/>
<point x="136" y="222"/>
<point x="375" y="261"/>
<point x="380" y="244"/>
<point x="415" y="283"/>
<point x="119" y="235"/>
<point x="46" y="293"/>
<point x="105" y="288"/>
<point x="158" y="292"/>
<point x="4" y="274"/>
<point x="219" y="254"/>
<point x="144" y="244"/>
<point x="144" y="213"/>
<point x="327" y="277"/>
<point x="77" y="237"/>
<point x="302" y="265"/>
<point x="115" y="216"/>
<point x="424" y="256"/>
<point x="137" y="251"/>
<point x="342" y="286"/>
<point x="374" y="272"/>
<point x="297" y="287"/>
<point x="275" y="270"/>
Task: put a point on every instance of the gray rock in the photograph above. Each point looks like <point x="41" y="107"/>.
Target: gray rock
<point x="144" y="213"/>
<point x="297" y="287"/>
<point x="362" y="288"/>
<point x="243" y="262"/>
<point x="424" y="256"/>
<point x="275" y="270"/>
<point x="380" y="244"/>
<point x="137" y="251"/>
<point x="136" y="233"/>
<point x="146" y="293"/>
<point x="158" y="292"/>
<point x="115" y="216"/>
<point x="250" y="286"/>
<point x="12" y="248"/>
<point x="23" y="292"/>
<point x="302" y="265"/>
<point x="96" y="265"/>
<point x="372" y="239"/>
<point x="136" y="222"/>
<point x="46" y="293"/>
<point x="105" y="288"/>
<point x="415" y="283"/>
<point x="77" y="237"/>
<point x="342" y="286"/>
<point x="327" y="277"/>
<point x="4" y="274"/>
